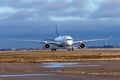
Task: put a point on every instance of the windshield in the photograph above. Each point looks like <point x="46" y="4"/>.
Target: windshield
<point x="68" y="39"/>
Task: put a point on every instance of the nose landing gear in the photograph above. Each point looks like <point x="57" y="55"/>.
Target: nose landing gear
<point x="70" y="48"/>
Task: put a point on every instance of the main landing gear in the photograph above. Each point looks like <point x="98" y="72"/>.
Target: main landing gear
<point x="53" y="49"/>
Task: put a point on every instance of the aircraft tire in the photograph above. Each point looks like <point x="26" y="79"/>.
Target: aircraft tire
<point x="71" y="49"/>
<point x="53" y="49"/>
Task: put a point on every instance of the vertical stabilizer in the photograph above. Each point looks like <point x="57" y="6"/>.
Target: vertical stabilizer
<point x="56" y="31"/>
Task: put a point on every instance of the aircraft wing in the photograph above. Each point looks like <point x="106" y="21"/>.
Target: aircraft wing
<point x="91" y="40"/>
<point x="23" y="40"/>
<point x="38" y="41"/>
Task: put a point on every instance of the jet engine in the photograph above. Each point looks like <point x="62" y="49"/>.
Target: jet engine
<point x="47" y="46"/>
<point x="81" y="45"/>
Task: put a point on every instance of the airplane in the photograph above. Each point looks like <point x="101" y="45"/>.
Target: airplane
<point x="63" y="42"/>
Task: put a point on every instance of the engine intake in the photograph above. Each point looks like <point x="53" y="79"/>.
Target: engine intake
<point x="47" y="46"/>
<point x="81" y="45"/>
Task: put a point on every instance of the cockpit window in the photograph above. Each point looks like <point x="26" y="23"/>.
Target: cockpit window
<point x="68" y="39"/>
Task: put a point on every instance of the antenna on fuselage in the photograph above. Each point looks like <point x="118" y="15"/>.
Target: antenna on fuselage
<point x="56" y="30"/>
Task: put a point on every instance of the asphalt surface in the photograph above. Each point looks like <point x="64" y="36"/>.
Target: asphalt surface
<point x="93" y="70"/>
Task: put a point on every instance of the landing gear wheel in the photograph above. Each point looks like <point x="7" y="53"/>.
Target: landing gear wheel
<point x="53" y="49"/>
<point x="71" y="49"/>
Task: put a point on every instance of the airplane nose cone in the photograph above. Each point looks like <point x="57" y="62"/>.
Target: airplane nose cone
<point x="69" y="43"/>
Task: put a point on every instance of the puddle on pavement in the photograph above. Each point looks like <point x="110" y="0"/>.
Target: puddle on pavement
<point x="58" y="65"/>
<point x="63" y="64"/>
<point x="24" y="75"/>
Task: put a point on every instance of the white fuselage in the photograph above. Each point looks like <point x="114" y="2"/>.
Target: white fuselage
<point x="64" y="40"/>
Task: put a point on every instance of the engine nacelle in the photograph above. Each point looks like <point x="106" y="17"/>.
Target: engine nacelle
<point x="47" y="46"/>
<point x="82" y="45"/>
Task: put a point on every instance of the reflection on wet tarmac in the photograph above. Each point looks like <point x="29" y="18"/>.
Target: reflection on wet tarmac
<point x="63" y="64"/>
<point x="58" y="65"/>
<point x="24" y="75"/>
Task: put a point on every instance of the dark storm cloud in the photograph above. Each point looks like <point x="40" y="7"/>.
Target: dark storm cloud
<point x="107" y="9"/>
<point x="111" y="4"/>
<point x="44" y="8"/>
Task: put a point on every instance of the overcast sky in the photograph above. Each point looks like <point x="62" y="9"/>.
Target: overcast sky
<point x="84" y="18"/>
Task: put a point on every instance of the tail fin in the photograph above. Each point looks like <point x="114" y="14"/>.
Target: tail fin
<point x="56" y="31"/>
